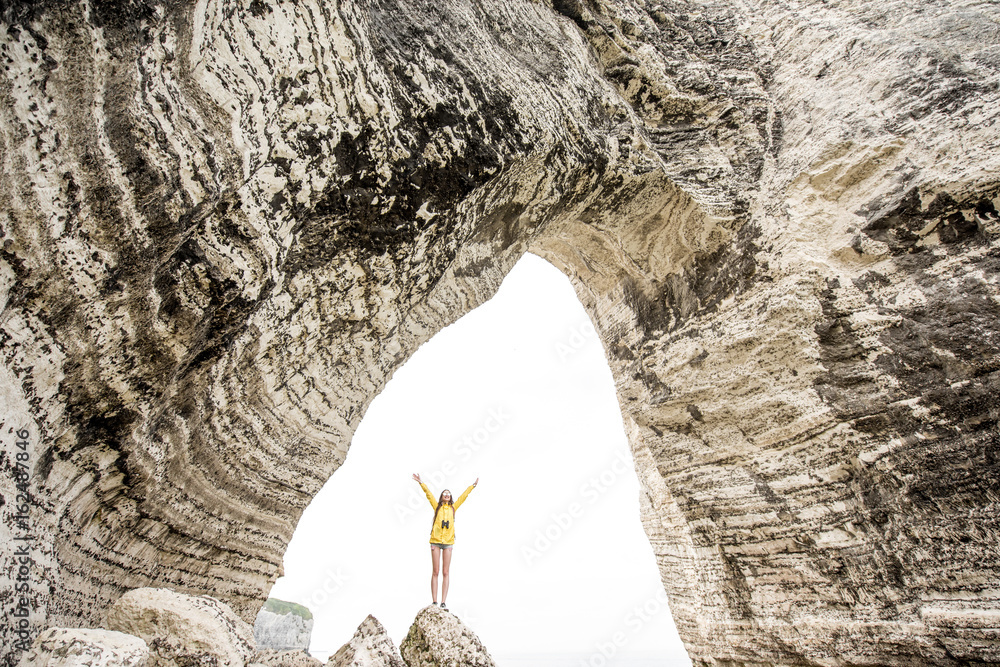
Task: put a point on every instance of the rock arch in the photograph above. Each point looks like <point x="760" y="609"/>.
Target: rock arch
<point x="226" y="223"/>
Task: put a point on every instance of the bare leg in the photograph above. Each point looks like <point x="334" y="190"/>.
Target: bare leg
<point x="435" y="566"/>
<point x="444" y="572"/>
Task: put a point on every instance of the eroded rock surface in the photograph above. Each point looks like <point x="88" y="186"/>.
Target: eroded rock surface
<point x="276" y="658"/>
<point x="438" y="638"/>
<point x="370" y="646"/>
<point x="83" y="647"/>
<point x="225" y="224"/>
<point x="183" y="630"/>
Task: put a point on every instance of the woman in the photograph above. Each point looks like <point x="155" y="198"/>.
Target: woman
<point x="442" y="535"/>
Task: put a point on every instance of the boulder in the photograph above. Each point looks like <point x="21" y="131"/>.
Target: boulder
<point x="370" y="646"/>
<point x="79" y="647"/>
<point x="183" y="630"/>
<point x="268" y="657"/>
<point x="438" y="638"/>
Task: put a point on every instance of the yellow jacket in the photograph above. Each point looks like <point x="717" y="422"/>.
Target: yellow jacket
<point x="444" y="522"/>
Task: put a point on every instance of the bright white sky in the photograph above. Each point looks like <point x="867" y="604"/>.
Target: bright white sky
<point x="517" y="393"/>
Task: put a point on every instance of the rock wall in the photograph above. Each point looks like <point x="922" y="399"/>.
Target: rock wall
<point x="226" y="223"/>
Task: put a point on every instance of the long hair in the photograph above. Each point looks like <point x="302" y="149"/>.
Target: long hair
<point x="438" y="508"/>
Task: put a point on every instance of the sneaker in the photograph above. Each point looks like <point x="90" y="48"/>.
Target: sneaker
<point x="443" y="607"/>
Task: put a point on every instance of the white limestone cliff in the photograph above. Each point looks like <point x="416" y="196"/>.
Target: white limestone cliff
<point x="283" y="626"/>
<point x="223" y="225"/>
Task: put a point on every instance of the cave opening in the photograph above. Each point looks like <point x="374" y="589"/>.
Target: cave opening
<point x="551" y="564"/>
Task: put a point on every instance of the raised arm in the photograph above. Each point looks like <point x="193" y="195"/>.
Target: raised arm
<point x="461" y="498"/>
<point x="427" y="492"/>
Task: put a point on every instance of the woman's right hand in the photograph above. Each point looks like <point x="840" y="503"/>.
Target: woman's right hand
<point x="416" y="477"/>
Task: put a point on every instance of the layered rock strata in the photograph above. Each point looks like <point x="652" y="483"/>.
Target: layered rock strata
<point x="370" y="646"/>
<point x="225" y="224"/>
<point x="283" y="626"/>
<point x="438" y="638"/>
